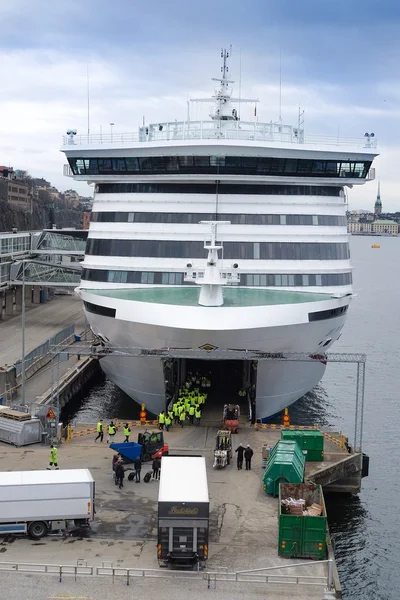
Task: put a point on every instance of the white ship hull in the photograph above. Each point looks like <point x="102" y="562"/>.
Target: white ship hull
<point x="279" y="383"/>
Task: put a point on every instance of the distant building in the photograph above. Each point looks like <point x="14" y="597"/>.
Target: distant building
<point x="359" y="227"/>
<point x="14" y="191"/>
<point x="378" y="201"/>
<point x="71" y="198"/>
<point x="86" y="218"/>
<point x="385" y="226"/>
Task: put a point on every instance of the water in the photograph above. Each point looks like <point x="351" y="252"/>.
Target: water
<point x="365" y="527"/>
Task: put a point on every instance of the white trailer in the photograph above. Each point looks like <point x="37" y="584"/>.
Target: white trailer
<point x="36" y="502"/>
<point x="183" y="512"/>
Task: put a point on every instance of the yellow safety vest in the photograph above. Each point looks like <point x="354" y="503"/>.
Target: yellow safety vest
<point x="99" y="427"/>
<point x="53" y="455"/>
<point x="111" y="430"/>
<point x="182" y="416"/>
<point x="167" y="421"/>
<point x="191" y="411"/>
<point x="198" y="414"/>
<point x="161" y="418"/>
<point x="127" y="431"/>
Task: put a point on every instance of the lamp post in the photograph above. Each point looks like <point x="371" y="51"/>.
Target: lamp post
<point x="23" y="334"/>
<point x="111" y="127"/>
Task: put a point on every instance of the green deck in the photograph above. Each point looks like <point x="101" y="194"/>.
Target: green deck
<point x="233" y="296"/>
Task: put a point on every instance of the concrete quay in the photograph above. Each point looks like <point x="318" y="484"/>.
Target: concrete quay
<point x="42" y="322"/>
<point x="243" y="528"/>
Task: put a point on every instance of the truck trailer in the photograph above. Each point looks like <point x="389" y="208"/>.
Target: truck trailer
<point x="36" y="502"/>
<point x="183" y="512"/>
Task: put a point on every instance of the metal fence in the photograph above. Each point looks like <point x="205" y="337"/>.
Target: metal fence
<point x="44" y="349"/>
<point x="264" y="576"/>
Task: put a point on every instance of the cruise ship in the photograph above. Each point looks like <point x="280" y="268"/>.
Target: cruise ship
<point x="222" y="236"/>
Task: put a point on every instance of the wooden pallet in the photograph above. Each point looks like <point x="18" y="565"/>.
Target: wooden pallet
<point x="16" y="415"/>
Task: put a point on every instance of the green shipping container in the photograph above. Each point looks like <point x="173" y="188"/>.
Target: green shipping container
<point x="302" y="536"/>
<point x="311" y="442"/>
<point x="285" y="464"/>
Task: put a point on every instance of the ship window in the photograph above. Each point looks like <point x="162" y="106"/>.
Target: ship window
<point x="318" y="167"/>
<point x="282" y="219"/>
<point x="131" y="217"/>
<point x="186" y="161"/>
<point x="147" y="277"/>
<point x="205" y="188"/>
<point x="79" y="166"/>
<point x="278" y="280"/>
<point x="104" y="165"/>
<point x="304" y="167"/>
<point x="256" y="250"/>
<point x="332" y="168"/>
<point x="132" y="164"/>
<point x="217" y="161"/>
<point x="318" y="280"/>
<point x="315" y="220"/>
<point x="305" y="280"/>
<point x="119" y="164"/>
<point x="290" y="165"/>
<point x="202" y="161"/>
<point x="345" y="169"/>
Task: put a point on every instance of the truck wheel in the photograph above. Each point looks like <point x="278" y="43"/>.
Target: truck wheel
<point x="146" y="457"/>
<point x="37" y="530"/>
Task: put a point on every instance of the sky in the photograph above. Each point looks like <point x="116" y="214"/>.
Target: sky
<point x="338" y="60"/>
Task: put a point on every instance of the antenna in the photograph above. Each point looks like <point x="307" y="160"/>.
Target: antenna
<point x="240" y="78"/>
<point x="88" y="98"/>
<point x="280" y="85"/>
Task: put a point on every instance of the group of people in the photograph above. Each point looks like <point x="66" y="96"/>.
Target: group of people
<point x="119" y="470"/>
<point x="245" y="453"/>
<point x="111" y="430"/>
<point x="191" y="398"/>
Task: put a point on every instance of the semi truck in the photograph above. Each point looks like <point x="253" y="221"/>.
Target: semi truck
<point x="36" y="502"/>
<point x="183" y="512"/>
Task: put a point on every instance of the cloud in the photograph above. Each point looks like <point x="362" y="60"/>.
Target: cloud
<point x="146" y="59"/>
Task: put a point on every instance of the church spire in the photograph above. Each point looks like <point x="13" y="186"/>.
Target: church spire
<point x="378" y="202"/>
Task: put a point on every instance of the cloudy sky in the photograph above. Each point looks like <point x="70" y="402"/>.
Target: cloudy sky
<point x="339" y="61"/>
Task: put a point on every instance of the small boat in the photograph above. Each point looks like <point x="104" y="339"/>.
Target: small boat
<point x="375" y="246"/>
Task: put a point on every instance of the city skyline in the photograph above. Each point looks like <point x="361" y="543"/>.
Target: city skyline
<point x="337" y="60"/>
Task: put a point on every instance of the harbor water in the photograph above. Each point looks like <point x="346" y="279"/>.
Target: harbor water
<point x="365" y="527"/>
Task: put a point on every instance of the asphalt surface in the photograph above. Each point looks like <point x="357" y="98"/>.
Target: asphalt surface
<point x="243" y="527"/>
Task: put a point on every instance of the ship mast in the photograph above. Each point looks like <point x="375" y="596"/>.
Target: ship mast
<point x="222" y="113"/>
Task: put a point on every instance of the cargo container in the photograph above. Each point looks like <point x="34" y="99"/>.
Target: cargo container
<point x="36" y="502"/>
<point x="183" y="512"/>
<point x="302" y="535"/>
<point x="285" y="464"/>
<point x="311" y="442"/>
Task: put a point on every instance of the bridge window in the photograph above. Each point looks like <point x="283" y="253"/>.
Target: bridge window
<point x="220" y="165"/>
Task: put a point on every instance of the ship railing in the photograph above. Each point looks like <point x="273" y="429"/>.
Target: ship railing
<point x="218" y="130"/>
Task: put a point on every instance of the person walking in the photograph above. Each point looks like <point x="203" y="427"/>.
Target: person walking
<point x="111" y="432"/>
<point x="161" y="420"/>
<point x="197" y="414"/>
<point x="167" y="422"/>
<point x="127" y="432"/>
<point x="156" y="468"/>
<point x="138" y="468"/>
<point x="248" y="453"/>
<point x="119" y="474"/>
<point x="53" y="458"/>
<point x="240" y="452"/>
<point x="114" y="462"/>
<point x="191" y="413"/>
<point x="100" y="432"/>
<point x="182" y="417"/>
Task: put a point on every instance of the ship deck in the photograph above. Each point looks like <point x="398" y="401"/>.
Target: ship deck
<point x="189" y="296"/>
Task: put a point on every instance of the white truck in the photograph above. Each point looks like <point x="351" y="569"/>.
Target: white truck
<point x="183" y="512"/>
<point x="36" y="502"/>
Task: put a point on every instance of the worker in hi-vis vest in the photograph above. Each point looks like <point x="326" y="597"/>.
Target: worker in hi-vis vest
<point x="100" y="432"/>
<point x="182" y="417"/>
<point x="127" y="432"/>
<point x="53" y="458"/>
